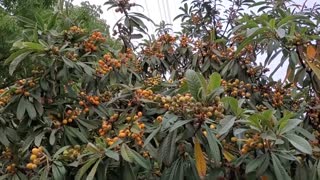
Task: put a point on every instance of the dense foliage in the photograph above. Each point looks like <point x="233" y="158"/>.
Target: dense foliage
<point x="196" y="105"/>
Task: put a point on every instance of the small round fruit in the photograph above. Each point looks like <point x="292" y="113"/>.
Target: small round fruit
<point x="234" y="139"/>
<point x="33" y="157"/>
<point x="35" y="151"/>
<point x="30" y="165"/>
<point x="122" y="135"/>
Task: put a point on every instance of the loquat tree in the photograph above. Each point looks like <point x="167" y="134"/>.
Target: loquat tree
<point x="199" y="104"/>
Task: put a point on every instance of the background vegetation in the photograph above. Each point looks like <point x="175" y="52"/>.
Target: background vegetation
<point x="76" y="103"/>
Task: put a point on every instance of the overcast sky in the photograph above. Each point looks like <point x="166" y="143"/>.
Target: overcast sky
<point x="166" y="10"/>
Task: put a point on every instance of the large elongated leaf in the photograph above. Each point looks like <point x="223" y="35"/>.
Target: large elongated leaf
<point x="290" y="124"/>
<point x="140" y="160"/>
<point x="125" y="153"/>
<point x="167" y="148"/>
<point x="85" y="168"/>
<point x="300" y="143"/>
<point x="214" y="145"/>
<point x="254" y="164"/>
<point x="227" y="124"/>
<point x="22" y="106"/>
<point x="93" y="171"/>
<point x="279" y="170"/>
<point x="194" y="83"/>
<point x="200" y="161"/>
<point x="16" y="61"/>
<point x="312" y="60"/>
<point x="214" y="81"/>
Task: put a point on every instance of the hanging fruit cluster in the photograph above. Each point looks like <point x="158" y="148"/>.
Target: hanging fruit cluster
<point x="252" y="142"/>
<point x="237" y="88"/>
<point x="184" y="41"/>
<point x="5" y="97"/>
<point x="153" y="81"/>
<point x="94" y="40"/>
<point x="107" y="64"/>
<point x="70" y="116"/>
<point x="37" y="158"/>
<point x="162" y="45"/>
<point x="76" y="30"/>
<point x="71" y="153"/>
<point x="134" y="129"/>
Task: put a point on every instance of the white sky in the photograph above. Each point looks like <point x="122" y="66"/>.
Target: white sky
<point x="166" y="10"/>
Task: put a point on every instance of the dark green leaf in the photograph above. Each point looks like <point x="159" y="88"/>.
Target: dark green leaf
<point x="300" y="143"/>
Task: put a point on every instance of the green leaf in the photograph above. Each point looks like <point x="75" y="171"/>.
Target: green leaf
<point x="15" y="55"/>
<point x="179" y="124"/>
<point x="60" y="151"/>
<point x="38" y="138"/>
<point x="31" y="110"/>
<point x="93" y="171"/>
<point x="299" y="143"/>
<point x="52" y="138"/>
<point x="128" y="172"/>
<point x="255" y="163"/>
<point x="214" y="145"/>
<point x="125" y="153"/>
<point x="44" y="174"/>
<point x="16" y="61"/>
<point x="85" y="168"/>
<point x="194" y="83"/>
<point x="68" y="62"/>
<point x="233" y="104"/>
<point x="140" y="160"/>
<point x="3" y="138"/>
<point x="21" y="109"/>
<point x="279" y="170"/>
<point x="214" y="81"/>
<point x="52" y="21"/>
<point x="227" y="124"/>
<point x="167" y="148"/>
<point x="33" y="46"/>
<point x="151" y="136"/>
<point x="112" y="154"/>
<point x="289" y="125"/>
<point x="56" y="173"/>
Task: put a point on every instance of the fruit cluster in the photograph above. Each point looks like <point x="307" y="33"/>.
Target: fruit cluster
<point x="92" y="100"/>
<point x="107" y="64"/>
<point x="184" y="41"/>
<point x="4" y="97"/>
<point x="137" y="137"/>
<point x="11" y="168"/>
<point x="167" y="39"/>
<point x="24" y="84"/>
<point x="251" y="143"/>
<point x="70" y="116"/>
<point x="72" y="55"/>
<point x="90" y="45"/>
<point x="186" y="105"/>
<point x="153" y="81"/>
<point x="145" y="94"/>
<point x="7" y="153"/>
<point x="132" y="122"/>
<point x="71" y="153"/>
<point x="105" y="128"/>
<point x="237" y="88"/>
<point x="154" y="50"/>
<point x="76" y="30"/>
<point x="37" y="157"/>
<point x="123" y="6"/>
<point x="195" y="19"/>
<point x="164" y="44"/>
<point x="314" y="114"/>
